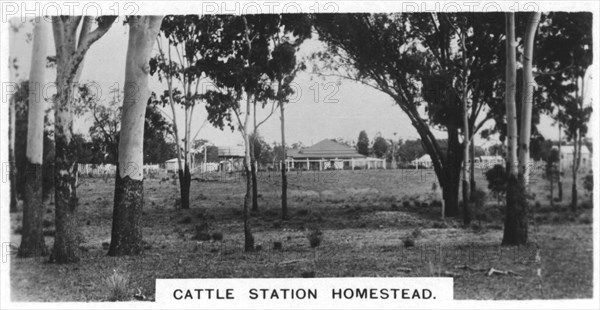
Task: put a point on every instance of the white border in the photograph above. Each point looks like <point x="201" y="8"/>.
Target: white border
<point x="238" y="7"/>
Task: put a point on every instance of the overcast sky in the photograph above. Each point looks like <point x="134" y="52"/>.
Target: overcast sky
<point x="339" y="109"/>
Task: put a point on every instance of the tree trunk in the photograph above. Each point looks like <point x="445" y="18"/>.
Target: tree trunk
<point x="560" y="188"/>
<point x="472" y="172"/>
<point x="527" y="97"/>
<point x="248" y="238"/>
<point x="284" y="207"/>
<point x="254" y="186"/>
<point x="451" y="174"/>
<point x="11" y="154"/>
<point x="185" y="180"/>
<point x="32" y="237"/>
<point x="552" y="189"/>
<point x="69" y="56"/>
<point x="465" y="161"/>
<point x="66" y="239"/>
<point x="576" y="159"/>
<point x="515" y="222"/>
<point x="126" y="236"/>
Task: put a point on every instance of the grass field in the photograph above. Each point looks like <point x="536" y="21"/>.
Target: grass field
<point x="366" y="218"/>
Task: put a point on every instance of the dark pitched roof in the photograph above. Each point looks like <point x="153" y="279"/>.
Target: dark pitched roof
<point x="326" y="149"/>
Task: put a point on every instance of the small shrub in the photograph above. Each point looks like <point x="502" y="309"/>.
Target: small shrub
<point x="586" y="205"/>
<point x="588" y="182"/>
<point x="116" y="285"/>
<point x="47" y="223"/>
<point x="409" y="242"/>
<point x="49" y="233"/>
<point x="202" y="236"/>
<point x="271" y="213"/>
<point x="217" y="236"/>
<point x="315" y="238"/>
<point x="417" y="204"/>
<point x="277" y="246"/>
<point x="585" y="218"/>
<point x="440" y="225"/>
<point x="494" y="226"/>
<point x="185" y="220"/>
<point x="496" y="178"/>
<point x="308" y="274"/>
<point x="315" y="217"/>
<point x="416" y="232"/>
<point x="302" y="212"/>
<point x="406" y="203"/>
<point x="424" y="205"/>
<point x="19" y="230"/>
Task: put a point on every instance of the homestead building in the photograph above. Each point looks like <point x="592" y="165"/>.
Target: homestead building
<point x="330" y="155"/>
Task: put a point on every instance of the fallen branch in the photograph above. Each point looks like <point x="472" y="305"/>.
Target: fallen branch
<point x="292" y="261"/>
<point x="493" y="271"/>
<point x="467" y="267"/>
<point x="450" y="274"/>
<point x="405" y="269"/>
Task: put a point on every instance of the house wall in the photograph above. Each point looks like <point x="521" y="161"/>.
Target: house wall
<point x="585" y="166"/>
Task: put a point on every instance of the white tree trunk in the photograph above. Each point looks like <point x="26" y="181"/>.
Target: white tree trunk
<point x="126" y="237"/>
<point x="527" y="97"/>
<point x="511" y="87"/>
<point x="32" y="241"/>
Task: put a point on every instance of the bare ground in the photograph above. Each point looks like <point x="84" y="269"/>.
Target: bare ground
<point x="365" y="217"/>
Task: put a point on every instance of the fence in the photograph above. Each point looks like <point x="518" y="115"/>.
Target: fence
<point x="109" y="170"/>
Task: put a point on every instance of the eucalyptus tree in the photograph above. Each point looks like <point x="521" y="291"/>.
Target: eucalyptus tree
<point x="411" y="57"/>
<point x="563" y="56"/>
<point x="182" y="62"/>
<point x="126" y="234"/>
<point x="32" y="240"/>
<point x="71" y="48"/>
<point x="238" y="71"/>
<point x="516" y="218"/>
<point x="282" y="69"/>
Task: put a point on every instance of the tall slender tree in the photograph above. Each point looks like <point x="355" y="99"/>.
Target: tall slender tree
<point x="285" y="41"/>
<point x="183" y="47"/>
<point x="70" y="52"/>
<point x="527" y="96"/>
<point x="126" y="236"/>
<point x="516" y="218"/>
<point x="564" y="54"/>
<point x="32" y="240"/>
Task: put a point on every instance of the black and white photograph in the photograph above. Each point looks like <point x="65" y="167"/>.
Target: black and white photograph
<point x="309" y="154"/>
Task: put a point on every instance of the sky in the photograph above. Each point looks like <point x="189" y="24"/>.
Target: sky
<point x="322" y="108"/>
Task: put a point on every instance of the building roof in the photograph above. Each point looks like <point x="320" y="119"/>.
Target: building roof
<point x="568" y="149"/>
<point x="231" y="151"/>
<point x="325" y="149"/>
<point x="423" y="159"/>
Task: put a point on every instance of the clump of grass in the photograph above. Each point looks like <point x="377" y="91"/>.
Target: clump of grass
<point x="302" y="212"/>
<point x="217" y="236"/>
<point x="315" y="237"/>
<point x="440" y="225"/>
<point x="116" y="285"/>
<point x="408" y="241"/>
